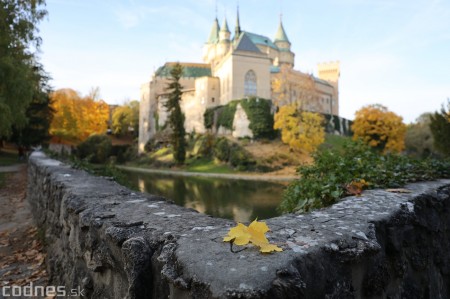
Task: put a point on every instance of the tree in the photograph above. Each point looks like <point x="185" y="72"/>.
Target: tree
<point x="77" y="117"/>
<point x="301" y="130"/>
<point x="419" y="141"/>
<point x="19" y="70"/>
<point x="176" y="117"/>
<point x="289" y="87"/>
<point x="440" y="128"/>
<point x="126" y="117"/>
<point x="380" y="128"/>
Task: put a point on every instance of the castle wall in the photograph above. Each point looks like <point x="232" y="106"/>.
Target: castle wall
<point x="331" y="72"/>
<point x="152" y="113"/>
<point x="224" y="72"/>
<point x="242" y="63"/>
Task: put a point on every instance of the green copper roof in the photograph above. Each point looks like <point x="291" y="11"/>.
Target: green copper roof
<point x="193" y="70"/>
<point x="281" y="36"/>
<point x="225" y="26"/>
<point x="214" y="35"/>
<point x="261" y="40"/>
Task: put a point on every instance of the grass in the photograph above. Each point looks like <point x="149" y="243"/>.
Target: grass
<point x="334" y="142"/>
<point x="205" y="165"/>
<point x="164" y="155"/>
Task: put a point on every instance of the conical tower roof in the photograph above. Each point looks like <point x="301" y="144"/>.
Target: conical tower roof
<point x="225" y="26"/>
<point x="281" y="36"/>
<point x="214" y="35"/>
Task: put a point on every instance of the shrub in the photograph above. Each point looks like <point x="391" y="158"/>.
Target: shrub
<point x="335" y="174"/>
<point x="226" y="115"/>
<point x="95" y="149"/>
<point x="222" y="149"/>
<point x="240" y="158"/>
<point x="208" y="116"/>
<point x="120" y="152"/>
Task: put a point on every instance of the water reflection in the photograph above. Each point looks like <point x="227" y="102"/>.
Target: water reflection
<point x="240" y="200"/>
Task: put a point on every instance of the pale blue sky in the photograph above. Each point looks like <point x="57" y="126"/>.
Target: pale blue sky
<point x="393" y="52"/>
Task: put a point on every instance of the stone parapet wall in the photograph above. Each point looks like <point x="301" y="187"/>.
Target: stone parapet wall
<point x="116" y="243"/>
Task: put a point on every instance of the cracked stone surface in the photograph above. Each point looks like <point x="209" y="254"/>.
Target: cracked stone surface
<point x="122" y="244"/>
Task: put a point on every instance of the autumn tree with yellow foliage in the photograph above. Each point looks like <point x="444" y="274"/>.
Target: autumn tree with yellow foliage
<point x="77" y="117"/>
<point x="301" y="130"/>
<point x="380" y="128"/>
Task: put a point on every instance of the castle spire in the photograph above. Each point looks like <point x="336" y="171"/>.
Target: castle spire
<point x="281" y="36"/>
<point x="224" y="34"/>
<point x="237" y="29"/>
<point x="214" y="35"/>
<point x="225" y="26"/>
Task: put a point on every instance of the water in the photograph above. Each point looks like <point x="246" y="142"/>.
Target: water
<point x="240" y="200"/>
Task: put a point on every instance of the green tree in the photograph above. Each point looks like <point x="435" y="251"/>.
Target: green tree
<point x="440" y="127"/>
<point x="176" y="117"/>
<point x="419" y="141"/>
<point x="19" y="74"/>
<point x="126" y="117"/>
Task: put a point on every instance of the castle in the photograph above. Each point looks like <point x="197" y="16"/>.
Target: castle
<point x="237" y="67"/>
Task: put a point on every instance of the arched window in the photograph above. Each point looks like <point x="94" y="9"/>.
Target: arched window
<point x="250" y="84"/>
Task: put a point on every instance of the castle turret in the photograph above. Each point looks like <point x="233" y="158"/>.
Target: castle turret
<point x="209" y="49"/>
<point x="214" y="35"/>
<point x="281" y="40"/>
<point x="224" y="39"/>
<point x="224" y="33"/>
<point x="286" y="57"/>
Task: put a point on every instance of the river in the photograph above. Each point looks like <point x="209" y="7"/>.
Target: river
<point x="240" y="200"/>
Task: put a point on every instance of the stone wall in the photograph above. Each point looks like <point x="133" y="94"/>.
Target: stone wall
<point x="116" y="243"/>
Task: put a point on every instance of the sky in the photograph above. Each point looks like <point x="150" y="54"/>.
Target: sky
<point x="391" y="52"/>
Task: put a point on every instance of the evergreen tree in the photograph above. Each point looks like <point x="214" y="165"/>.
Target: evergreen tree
<point x="440" y="128"/>
<point x="176" y="117"/>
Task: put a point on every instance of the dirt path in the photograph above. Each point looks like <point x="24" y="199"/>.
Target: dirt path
<point x="21" y="253"/>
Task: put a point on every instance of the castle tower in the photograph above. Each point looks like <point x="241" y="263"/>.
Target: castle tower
<point x="224" y="39"/>
<point x="224" y="33"/>
<point x="281" y="40"/>
<point x="331" y="72"/>
<point x="210" y="45"/>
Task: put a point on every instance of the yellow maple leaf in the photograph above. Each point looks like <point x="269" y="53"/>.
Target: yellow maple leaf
<point x="239" y="234"/>
<point x="267" y="248"/>
<point x="254" y="233"/>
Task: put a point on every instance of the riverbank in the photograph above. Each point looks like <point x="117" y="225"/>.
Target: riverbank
<point x="236" y="176"/>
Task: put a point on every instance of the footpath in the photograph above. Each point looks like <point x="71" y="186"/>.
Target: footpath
<point x="22" y="259"/>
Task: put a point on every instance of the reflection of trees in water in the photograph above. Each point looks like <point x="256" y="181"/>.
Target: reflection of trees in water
<point x="234" y="199"/>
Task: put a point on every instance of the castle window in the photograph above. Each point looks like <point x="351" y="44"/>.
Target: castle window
<point x="250" y="83"/>
<point x="212" y="100"/>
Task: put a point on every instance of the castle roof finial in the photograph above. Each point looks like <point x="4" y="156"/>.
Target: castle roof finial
<point x="237" y="29"/>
